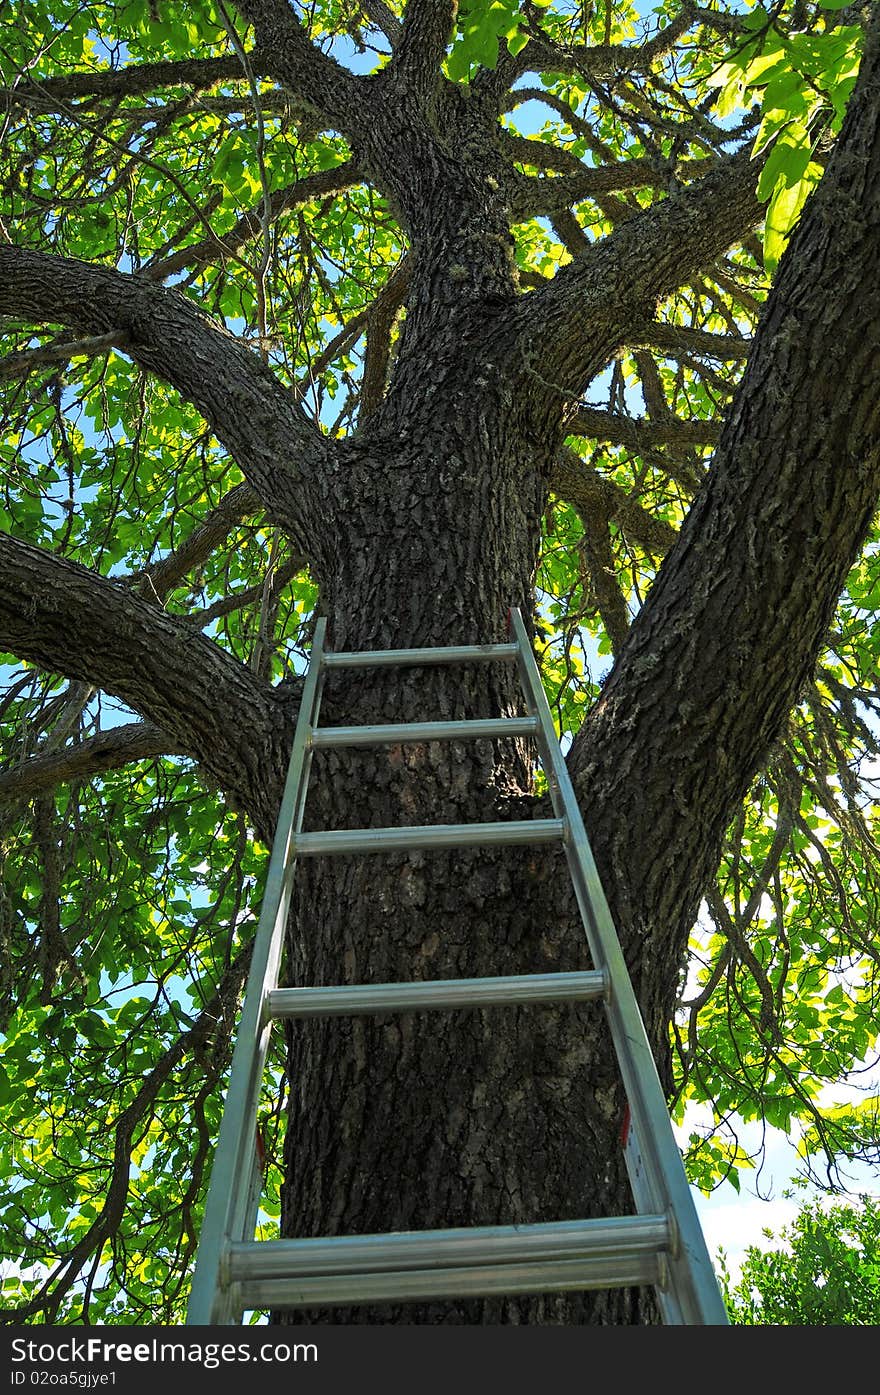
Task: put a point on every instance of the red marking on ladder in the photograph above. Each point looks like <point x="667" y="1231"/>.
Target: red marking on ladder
<point x="624" y="1128"/>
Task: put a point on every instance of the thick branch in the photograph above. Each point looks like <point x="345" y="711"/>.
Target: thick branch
<point x="133" y="80"/>
<point x="109" y="750"/>
<point x="543" y="154"/>
<point x="72" y="621"/>
<point x="272" y="100"/>
<point x="569" y="231"/>
<point x="294" y="60"/>
<point x="240" y="398"/>
<point x="680" y="339"/>
<point x="427" y="28"/>
<point x="384" y="18"/>
<point x="380" y="322"/>
<point x="609" y="598"/>
<point x="595" y="303"/>
<point x="641" y="434"/>
<point x="595" y="496"/>
<point x="731" y="629"/>
<point x="576" y="182"/>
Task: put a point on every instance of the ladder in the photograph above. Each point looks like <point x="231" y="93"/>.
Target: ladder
<point x="661" y="1245"/>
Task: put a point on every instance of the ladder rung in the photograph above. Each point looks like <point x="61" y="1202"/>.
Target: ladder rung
<point x="543" y="1276"/>
<point x="411" y="1250"/>
<point x="424" y="731"/>
<point x="432" y="835"/>
<point x="454" y="654"/>
<point x="352" y="999"/>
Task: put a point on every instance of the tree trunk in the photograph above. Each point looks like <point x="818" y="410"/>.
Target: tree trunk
<point x="418" y="1121"/>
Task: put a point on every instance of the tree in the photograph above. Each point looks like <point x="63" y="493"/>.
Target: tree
<point x="825" y="1274"/>
<point x="304" y="309"/>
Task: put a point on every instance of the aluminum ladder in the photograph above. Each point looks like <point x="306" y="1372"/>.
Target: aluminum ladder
<point x="661" y="1245"/>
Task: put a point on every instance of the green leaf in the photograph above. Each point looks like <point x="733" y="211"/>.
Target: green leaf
<point x="788" y="160"/>
<point x="785" y="205"/>
<point x="458" y="63"/>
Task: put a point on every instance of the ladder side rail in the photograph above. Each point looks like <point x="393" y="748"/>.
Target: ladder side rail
<point x="245" y="1204"/>
<point x="630" y="1038"/>
<point x="246" y="1201"/>
<point x="231" y="1192"/>
<point x="652" y="1157"/>
<point x="664" y="1183"/>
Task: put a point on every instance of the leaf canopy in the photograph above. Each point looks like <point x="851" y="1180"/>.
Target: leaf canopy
<point x="129" y="894"/>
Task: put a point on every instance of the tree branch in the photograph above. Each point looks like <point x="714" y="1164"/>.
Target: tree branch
<point x="653" y="390"/>
<point x="595" y="303"/>
<point x="609" y="598"/>
<point x="133" y="80"/>
<point x="593" y="495"/>
<point x="253" y="415"/>
<point x="20" y="364"/>
<point x="274" y="100"/>
<point x="575" y="181"/>
<point x="211" y="1029"/>
<point x="731" y="628"/>
<point x="109" y="750"/>
<point x="639" y="433"/>
<point x="384" y="18"/>
<point x="427" y="28"/>
<point x="319" y="184"/>
<point x="379" y="325"/>
<point x="68" y="620"/>
<point x="569" y="231"/>
<point x="292" y="59"/>
<point x="156" y="580"/>
<point x="237" y="600"/>
<point x="720" y="20"/>
<point x="596" y="62"/>
<point x="679" y="339"/>
<point x="706" y="134"/>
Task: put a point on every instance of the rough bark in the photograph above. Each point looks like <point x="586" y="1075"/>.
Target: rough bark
<point x="57" y="614"/>
<point x="274" y="443"/>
